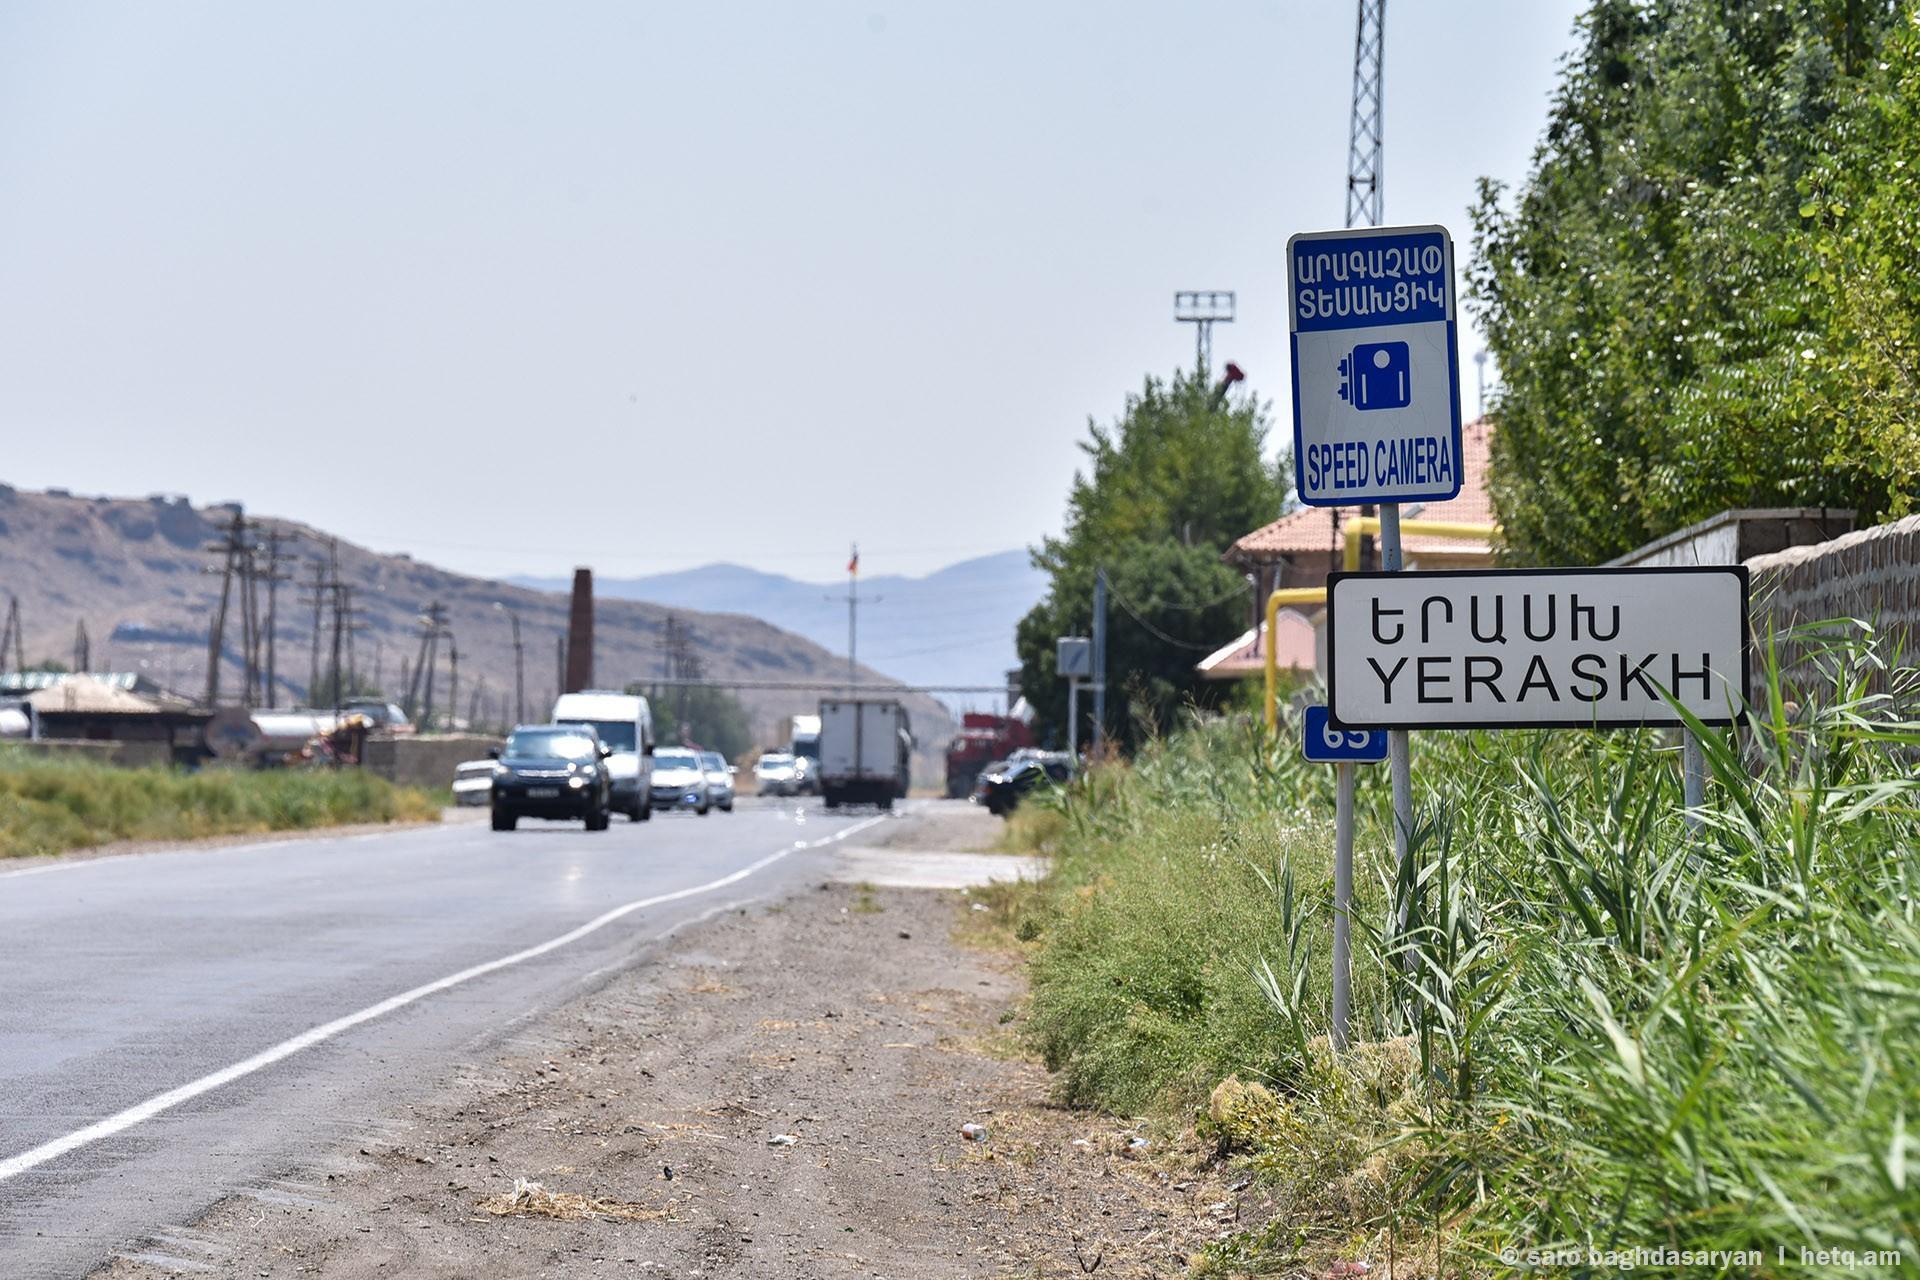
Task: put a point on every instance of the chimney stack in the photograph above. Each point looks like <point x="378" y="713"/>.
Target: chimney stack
<point x="580" y="633"/>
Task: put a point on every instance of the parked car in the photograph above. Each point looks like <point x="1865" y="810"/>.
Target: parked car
<point x="979" y="793"/>
<point x="1005" y="788"/>
<point x="678" y="780"/>
<point x="776" y="774"/>
<point x="384" y="716"/>
<point x="553" y="771"/>
<point x="473" y="783"/>
<point x="625" y="725"/>
<point x="719" y="780"/>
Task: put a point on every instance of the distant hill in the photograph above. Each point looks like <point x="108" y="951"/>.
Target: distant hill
<point x="954" y="626"/>
<point x="134" y="571"/>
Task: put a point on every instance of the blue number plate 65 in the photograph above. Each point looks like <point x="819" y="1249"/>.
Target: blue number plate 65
<point x="1327" y="745"/>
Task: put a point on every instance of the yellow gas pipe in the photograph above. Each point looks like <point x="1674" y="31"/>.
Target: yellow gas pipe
<point x="1353" y="528"/>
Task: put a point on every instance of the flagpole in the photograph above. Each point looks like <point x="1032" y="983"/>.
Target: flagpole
<point x="853" y="617"/>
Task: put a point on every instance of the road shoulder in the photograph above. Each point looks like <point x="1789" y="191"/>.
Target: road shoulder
<point x="780" y="1094"/>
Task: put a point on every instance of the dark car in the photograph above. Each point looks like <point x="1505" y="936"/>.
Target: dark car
<point x="979" y="793"/>
<point x="1002" y="789"/>
<point x="552" y="771"/>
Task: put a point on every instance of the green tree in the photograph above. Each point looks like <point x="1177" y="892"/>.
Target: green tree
<point x="1177" y="477"/>
<point x="1648" y="296"/>
<point x="1862" y="231"/>
<point x="709" y="718"/>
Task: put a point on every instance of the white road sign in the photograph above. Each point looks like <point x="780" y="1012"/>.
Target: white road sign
<point x="1536" y="648"/>
<point x="1376" y="366"/>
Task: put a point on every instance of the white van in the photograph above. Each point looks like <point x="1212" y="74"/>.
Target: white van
<point x="625" y="723"/>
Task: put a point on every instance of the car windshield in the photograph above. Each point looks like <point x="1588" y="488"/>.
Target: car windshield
<point x="776" y="762"/>
<point x="617" y="734"/>
<point x="808" y="750"/>
<point x="674" y="760"/>
<point x="550" y="744"/>
<point x="713" y="761"/>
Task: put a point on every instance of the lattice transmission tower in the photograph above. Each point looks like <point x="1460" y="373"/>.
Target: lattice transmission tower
<point x="1364" y="134"/>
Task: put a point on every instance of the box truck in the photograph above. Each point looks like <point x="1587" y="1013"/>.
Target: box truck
<point x="866" y="749"/>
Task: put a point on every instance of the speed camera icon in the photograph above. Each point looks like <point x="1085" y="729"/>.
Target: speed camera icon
<point x="1377" y="375"/>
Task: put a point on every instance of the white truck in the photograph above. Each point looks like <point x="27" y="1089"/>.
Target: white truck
<point x="803" y="740"/>
<point x="866" y="749"/>
<point x="624" y="722"/>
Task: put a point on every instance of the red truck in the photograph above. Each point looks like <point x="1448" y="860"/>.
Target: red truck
<point x="983" y="738"/>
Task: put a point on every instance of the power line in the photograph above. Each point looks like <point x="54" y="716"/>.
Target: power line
<point x="1154" y="631"/>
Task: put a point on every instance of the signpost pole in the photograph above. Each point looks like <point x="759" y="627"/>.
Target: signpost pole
<point x="1342" y="903"/>
<point x="1693" y="778"/>
<point x="1399" y="763"/>
<point x="1073" y="717"/>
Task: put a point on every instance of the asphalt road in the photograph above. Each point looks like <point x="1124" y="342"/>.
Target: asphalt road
<point x="178" y="1026"/>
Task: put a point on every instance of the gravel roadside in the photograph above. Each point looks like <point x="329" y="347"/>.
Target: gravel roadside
<point x="781" y="1094"/>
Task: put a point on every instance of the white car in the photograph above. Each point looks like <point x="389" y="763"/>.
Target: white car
<point x="719" y="780"/>
<point x="473" y="783"/>
<point x="678" y="780"/>
<point x="776" y="774"/>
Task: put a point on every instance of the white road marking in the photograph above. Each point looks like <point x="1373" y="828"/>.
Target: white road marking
<point x="144" y="1111"/>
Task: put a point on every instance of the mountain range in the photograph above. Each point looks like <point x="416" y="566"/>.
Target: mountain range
<point x="951" y="627"/>
<point x="137" y="576"/>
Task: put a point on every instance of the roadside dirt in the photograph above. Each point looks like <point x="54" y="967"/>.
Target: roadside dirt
<point x="780" y="1095"/>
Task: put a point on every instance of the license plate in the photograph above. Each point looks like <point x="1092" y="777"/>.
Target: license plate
<point x="543" y="793"/>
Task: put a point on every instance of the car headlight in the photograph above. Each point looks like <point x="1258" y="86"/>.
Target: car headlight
<point x="576" y="782"/>
<point x="501" y="771"/>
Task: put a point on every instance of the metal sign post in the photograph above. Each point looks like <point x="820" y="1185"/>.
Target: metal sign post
<point x="1073" y="658"/>
<point x="1343" y="748"/>
<point x="1376" y="399"/>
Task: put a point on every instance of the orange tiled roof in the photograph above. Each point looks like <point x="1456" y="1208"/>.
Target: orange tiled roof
<point x="1294" y="645"/>
<point x="1310" y="529"/>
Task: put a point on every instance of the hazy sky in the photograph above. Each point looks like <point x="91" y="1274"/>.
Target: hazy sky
<point x="643" y="286"/>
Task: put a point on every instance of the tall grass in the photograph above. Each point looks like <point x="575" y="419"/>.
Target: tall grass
<point x="1625" y="1030"/>
<point x="51" y="805"/>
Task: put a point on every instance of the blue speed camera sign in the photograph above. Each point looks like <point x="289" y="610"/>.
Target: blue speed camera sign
<point x="1376" y="366"/>
<point x="1324" y="744"/>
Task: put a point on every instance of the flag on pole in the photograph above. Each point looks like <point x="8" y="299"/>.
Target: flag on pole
<point x="853" y="562"/>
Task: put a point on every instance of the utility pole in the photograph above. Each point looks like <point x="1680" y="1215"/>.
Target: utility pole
<point x="431" y="623"/>
<point x="318" y="588"/>
<point x="249" y="627"/>
<point x="276" y="559"/>
<point x="352" y="627"/>
<point x="11" y="637"/>
<point x="229" y="547"/>
<point x="82" y="647"/>
<point x="339" y="621"/>
<point x="453" y="682"/>
<point x="560" y="662"/>
<point x="519" y="663"/>
<point x="1366" y="151"/>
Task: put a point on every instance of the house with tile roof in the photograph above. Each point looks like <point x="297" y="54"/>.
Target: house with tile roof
<point x="1302" y="547"/>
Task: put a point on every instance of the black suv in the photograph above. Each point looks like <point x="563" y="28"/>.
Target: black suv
<point x="552" y="771"/>
<point x="1003" y="786"/>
